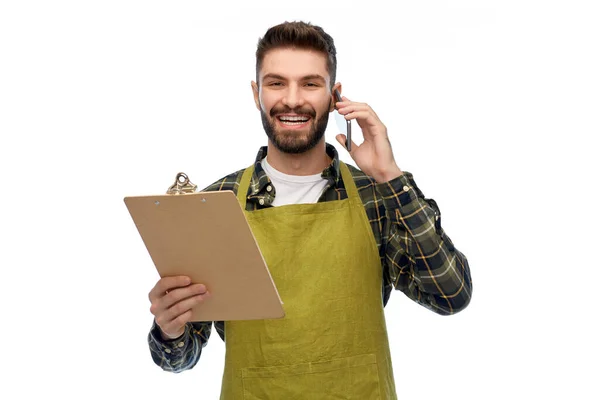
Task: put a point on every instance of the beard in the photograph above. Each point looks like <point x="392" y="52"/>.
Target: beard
<point x="292" y="141"/>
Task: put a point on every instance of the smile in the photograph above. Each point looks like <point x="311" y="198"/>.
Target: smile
<point x="293" y="121"/>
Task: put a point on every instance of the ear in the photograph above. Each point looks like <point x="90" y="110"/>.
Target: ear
<point x="255" y="92"/>
<point x="338" y="87"/>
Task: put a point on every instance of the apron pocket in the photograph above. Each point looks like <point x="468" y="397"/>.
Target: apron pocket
<point x="344" y="378"/>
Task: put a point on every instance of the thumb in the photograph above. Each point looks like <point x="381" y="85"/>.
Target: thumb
<point x="341" y="138"/>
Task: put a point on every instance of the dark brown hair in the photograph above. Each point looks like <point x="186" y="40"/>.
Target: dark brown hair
<point x="299" y="35"/>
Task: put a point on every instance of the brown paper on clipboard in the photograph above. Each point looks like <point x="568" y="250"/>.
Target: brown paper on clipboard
<point x="206" y="236"/>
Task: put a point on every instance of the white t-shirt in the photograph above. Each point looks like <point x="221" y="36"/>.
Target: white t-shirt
<point x="293" y="189"/>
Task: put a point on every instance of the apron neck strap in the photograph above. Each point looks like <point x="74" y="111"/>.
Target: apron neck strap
<point x="351" y="189"/>
<point x="242" y="193"/>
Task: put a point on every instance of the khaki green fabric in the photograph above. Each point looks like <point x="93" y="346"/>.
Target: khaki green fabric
<point x="332" y="343"/>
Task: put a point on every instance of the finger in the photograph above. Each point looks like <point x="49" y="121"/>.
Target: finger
<point x="181" y="308"/>
<point x="342" y="139"/>
<point x="347" y="102"/>
<point x="344" y="104"/>
<point x="176" y="327"/>
<point x="354" y="107"/>
<point x="363" y="117"/>
<point x="346" y="108"/>
<point x="360" y="114"/>
<point x="168" y="283"/>
<point x="178" y="294"/>
<point x="161" y="304"/>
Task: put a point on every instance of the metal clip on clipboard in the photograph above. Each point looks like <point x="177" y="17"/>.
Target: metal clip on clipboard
<point x="182" y="185"/>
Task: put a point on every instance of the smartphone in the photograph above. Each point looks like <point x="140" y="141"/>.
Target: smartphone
<point x="338" y="97"/>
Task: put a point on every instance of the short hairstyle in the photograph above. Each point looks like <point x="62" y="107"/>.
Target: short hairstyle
<point x="299" y="35"/>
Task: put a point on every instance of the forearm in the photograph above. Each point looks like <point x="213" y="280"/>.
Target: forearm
<point x="182" y="353"/>
<point x="421" y="259"/>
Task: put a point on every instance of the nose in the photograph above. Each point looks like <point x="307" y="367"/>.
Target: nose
<point x="292" y="97"/>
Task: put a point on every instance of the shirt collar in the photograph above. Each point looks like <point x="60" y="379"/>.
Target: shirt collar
<point x="260" y="180"/>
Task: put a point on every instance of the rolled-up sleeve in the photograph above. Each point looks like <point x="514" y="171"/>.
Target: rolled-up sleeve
<point x="420" y="258"/>
<point x="179" y="354"/>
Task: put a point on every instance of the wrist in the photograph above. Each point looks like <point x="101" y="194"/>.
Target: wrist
<point x="388" y="174"/>
<point x="164" y="336"/>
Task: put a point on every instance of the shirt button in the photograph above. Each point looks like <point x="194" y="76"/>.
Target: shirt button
<point x="168" y="351"/>
<point x="261" y="202"/>
<point x="269" y="188"/>
<point x="180" y="344"/>
<point x="405" y="188"/>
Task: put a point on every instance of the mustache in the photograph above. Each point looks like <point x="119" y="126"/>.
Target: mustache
<point x="287" y="110"/>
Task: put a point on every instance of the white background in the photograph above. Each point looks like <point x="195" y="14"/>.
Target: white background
<point x="493" y="106"/>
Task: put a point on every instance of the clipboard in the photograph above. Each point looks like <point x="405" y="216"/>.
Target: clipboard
<point x="205" y="235"/>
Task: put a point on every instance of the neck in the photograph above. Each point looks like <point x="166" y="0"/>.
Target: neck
<point x="311" y="162"/>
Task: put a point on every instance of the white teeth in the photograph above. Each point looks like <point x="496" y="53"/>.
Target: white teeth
<point x="293" y="119"/>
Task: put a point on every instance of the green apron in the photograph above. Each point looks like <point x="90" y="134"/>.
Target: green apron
<point x="332" y="343"/>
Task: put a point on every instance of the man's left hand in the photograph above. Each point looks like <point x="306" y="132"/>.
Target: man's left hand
<point x="374" y="156"/>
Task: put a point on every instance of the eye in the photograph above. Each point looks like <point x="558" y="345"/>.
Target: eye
<point x="311" y="84"/>
<point x="275" y="84"/>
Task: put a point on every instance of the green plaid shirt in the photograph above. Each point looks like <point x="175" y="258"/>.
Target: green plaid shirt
<point x="417" y="256"/>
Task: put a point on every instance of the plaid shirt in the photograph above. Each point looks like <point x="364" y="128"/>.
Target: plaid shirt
<point x="417" y="256"/>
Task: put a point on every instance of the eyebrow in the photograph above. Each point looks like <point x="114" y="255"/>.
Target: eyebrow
<point x="304" y="78"/>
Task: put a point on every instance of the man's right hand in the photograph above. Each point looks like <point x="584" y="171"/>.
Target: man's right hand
<point x="172" y="299"/>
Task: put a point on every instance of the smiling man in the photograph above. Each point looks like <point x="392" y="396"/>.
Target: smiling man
<point x="292" y="99"/>
<point x="337" y="240"/>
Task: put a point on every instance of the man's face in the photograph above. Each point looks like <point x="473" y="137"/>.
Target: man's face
<point x="294" y="98"/>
